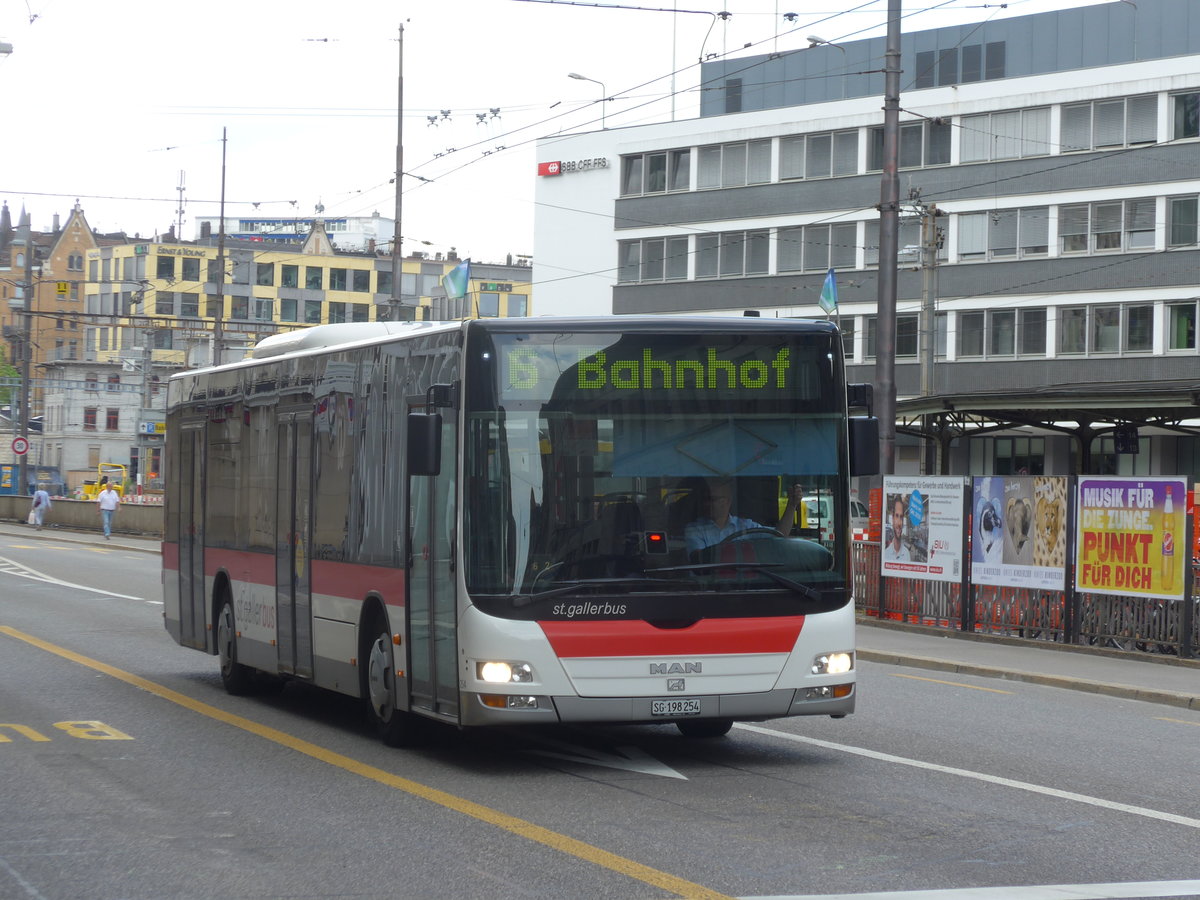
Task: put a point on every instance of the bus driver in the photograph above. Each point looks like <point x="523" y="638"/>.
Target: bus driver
<point x="719" y="524"/>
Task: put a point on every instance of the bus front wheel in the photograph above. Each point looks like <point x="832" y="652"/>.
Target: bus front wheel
<point x="237" y="678"/>
<point x="394" y="726"/>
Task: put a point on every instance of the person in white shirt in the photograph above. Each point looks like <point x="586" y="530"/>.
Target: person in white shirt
<point x="108" y="502"/>
<point x="719" y="524"/>
<point x="41" y="503"/>
<point x="895" y="550"/>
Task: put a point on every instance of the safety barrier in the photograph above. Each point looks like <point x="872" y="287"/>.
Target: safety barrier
<point x="1134" y="624"/>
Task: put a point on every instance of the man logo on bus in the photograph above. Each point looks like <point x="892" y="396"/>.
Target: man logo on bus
<point x="688" y="668"/>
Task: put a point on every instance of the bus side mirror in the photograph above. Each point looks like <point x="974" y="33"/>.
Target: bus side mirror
<point x="424" y="443"/>
<point x="864" y="445"/>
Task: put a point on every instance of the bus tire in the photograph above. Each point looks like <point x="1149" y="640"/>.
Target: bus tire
<point x="395" y="727"/>
<point x="704" y="728"/>
<point x="237" y="678"/>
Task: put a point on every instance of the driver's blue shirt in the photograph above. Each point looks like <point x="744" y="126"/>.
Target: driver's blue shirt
<point x="704" y="532"/>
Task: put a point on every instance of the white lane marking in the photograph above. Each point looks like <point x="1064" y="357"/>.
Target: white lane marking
<point x="12" y="567"/>
<point x="980" y="776"/>
<point x="630" y="759"/>
<point x="1110" y="891"/>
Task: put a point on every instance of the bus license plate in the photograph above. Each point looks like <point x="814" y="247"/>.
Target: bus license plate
<point x="689" y="706"/>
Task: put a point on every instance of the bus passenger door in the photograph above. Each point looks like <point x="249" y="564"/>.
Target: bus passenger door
<point x="293" y="525"/>
<point x="432" y="580"/>
<point x="192" y="594"/>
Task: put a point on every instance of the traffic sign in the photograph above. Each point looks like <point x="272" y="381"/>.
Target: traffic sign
<point x="20" y="446"/>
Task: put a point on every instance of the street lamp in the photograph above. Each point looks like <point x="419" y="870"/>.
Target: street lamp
<point x="603" y="97"/>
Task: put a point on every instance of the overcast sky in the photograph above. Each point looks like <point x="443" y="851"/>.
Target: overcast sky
<point x="114" y="102"/>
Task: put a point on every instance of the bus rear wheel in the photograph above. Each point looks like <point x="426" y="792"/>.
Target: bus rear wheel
<point x="237" y="678"/>
<point x="704" y="728"/>
<point x="395" y="727"/>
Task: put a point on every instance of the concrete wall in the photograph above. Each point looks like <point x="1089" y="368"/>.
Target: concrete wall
<point x="131" y="518"/>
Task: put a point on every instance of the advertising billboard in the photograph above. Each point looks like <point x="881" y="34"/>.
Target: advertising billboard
<point x="923" y="527"/>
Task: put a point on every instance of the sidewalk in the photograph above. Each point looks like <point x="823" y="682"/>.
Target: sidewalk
<point x="52" y="532"/>
<point x="1154" y="678"/>
<point x="1150" y="677"/>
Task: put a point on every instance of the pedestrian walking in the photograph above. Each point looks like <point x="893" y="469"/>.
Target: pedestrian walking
<point x="108" y="501"/>
<point x="41" y="503"/>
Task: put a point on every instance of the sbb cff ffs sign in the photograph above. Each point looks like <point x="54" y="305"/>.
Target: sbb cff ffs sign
<point x="559" y="167"/>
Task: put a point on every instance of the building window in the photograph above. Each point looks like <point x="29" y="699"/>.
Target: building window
<point x="262" y="310"/>
<point x="734" y="165"/>
<point x="1020" y="456"/>
<point x="239" y="308"/>
<point x="518" y="305"/>
<point x="1107" y="227"/>
<point x="360" y="312"/>
<point x="1106" y="329"/>
<point x="846" y="326"/>
<point x="732" y="253"/>
<point x="921" y="144"/>
<point x="1013" y="134"/>
<point x="489" y="304"/>
<point x="337" y="313"/>
<point x="383" y="283"/>
<point x="1181" y="326"/>
<point x="114" y="383"/>
<point x="164" y="303"/>
<point x="289" y="276"/>
<point x="907" y="336"/>
<point x="191" y="270"/>
<point x="653" y="259"/>
<point x="654" y="173"/>
<point x="313" y="277"/>
<point x="816" y="248"/>
<point x="287" y="310"/>
<point x="337" y="279"/>
<point x="1104" y="124"/>
<point x="909" y="241"/>
<point x="361" y="280"/>
<point x="1187" y="115"/>
<point x="189" y="305"/>
<point x="165" y="267"/>
<point x="214" y="307"/>
<point x="89" y="418"/>
<point x="92" y="382"/>
<point x="1182" y="213"/>
<point x="112" y="419"/>
<point x="162" y="339"/>
<point x="312" y="312"/>
<point x="1004" y="234"/>
<point x="75" y="262"/>
<point x="818" y="155"/>
<point x="264" y="274"/>
<point x="1031" y="332"/>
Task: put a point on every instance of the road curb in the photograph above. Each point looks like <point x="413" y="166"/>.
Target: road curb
<point x="1121" y="691"/>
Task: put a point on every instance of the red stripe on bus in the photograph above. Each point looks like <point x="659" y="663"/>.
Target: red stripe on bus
<point x="170" y="556"/>
<point x="635" y="637"/>
<point x="334" y="579"/>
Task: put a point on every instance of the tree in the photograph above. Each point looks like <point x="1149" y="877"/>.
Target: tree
<point x="9" y="377"/>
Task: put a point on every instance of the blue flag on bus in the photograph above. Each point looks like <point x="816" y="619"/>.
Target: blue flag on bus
<point x="457" y="279"/>
<point x="828" y="299"/>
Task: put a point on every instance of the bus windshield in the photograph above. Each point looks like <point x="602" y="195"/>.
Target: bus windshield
<point x="652" y="476"/>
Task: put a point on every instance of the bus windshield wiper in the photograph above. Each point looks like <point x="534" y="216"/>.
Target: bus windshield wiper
<point x="764" y="568"/>
<point x="569" y="587"/>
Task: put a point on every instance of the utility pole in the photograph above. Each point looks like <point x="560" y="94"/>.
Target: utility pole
<point x="397" y="256"/>
<point x="889" y="210"/>
<point x="931" y="242"/>
<point x="26" y="352"/>
<point x="218" y="330"/>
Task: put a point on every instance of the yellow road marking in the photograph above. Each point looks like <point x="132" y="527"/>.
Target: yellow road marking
<point x="951" y="683"/>
<point x="512" y="824"/>
<point x="1177" y="721"/>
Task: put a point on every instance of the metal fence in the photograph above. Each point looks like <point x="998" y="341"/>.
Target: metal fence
<point x="1135" y="624"/>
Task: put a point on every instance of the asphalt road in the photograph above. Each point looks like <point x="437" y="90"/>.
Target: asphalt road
<point x="129" y="773"/>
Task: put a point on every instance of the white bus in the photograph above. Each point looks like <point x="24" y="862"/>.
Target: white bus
<point x="499" y="522"/>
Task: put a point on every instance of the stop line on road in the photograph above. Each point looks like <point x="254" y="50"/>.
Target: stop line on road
<point x="1108" y="891"/>
<point x="12" y="567"/>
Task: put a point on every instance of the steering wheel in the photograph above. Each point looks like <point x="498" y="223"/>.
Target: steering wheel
<point x="760" y="529"/>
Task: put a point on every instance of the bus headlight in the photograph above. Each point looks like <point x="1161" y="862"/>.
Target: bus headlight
<point x="833" y="663"/>
<point x="500" y="672"/>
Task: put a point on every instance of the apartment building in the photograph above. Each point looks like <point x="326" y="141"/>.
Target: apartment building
<point x="1049" y="167"/>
